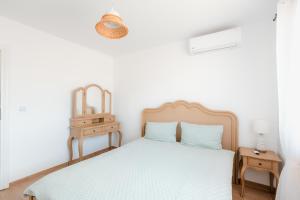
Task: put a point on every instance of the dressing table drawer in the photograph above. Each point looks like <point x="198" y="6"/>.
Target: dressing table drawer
<point x="80" y="123"/>
<point x="101" y="129"/>
<point x="92" y="131"/>
<point x="112" y="128"/>
<point x="110" y="119"/>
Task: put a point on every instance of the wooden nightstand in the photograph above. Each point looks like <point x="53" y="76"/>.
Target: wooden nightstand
<point x="268" y="161"/>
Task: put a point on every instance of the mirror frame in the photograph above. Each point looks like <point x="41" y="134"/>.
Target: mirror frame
<point x="84" y="90"/>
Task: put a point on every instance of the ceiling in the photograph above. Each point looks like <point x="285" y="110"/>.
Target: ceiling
<point x="150" y="22"/>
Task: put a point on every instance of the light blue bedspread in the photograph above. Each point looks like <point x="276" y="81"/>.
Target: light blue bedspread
<point x="143" y="170"/>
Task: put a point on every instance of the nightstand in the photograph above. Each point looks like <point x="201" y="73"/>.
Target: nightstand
<point x="268" y="162"/>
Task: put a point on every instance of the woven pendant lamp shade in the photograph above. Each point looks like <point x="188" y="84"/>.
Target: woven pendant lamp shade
<point x="111" y="26"/>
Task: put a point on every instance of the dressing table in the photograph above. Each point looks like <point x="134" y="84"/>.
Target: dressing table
<point x="91" y="116"/>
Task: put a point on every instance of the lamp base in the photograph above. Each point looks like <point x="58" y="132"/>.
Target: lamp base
<point x="260" y="145"/>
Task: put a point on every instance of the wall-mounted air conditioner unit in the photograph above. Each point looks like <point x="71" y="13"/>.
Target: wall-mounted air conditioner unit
<point x="215" y="41"/>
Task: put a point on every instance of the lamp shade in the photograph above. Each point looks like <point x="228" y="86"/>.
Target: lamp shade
<point x="261" y="126"/>
<point x="111" y="26"/>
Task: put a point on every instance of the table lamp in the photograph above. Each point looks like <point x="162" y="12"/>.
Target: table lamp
<point x="261" y="128"/>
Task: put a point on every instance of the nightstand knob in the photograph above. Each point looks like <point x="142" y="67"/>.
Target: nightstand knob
<point x="259" y="164"/>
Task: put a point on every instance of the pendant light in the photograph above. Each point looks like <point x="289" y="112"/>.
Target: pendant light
<point x="112" y="26"/>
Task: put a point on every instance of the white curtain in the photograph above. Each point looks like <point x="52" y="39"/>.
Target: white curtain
<point x="288" y="70"/>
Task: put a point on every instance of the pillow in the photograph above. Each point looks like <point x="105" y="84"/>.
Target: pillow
<point x="207" y="136"/>
<point x="161" y="131"/>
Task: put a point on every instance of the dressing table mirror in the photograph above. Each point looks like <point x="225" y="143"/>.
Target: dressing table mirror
<point x="91" y="116"/>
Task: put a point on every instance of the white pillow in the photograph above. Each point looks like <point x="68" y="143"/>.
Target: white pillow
<point x="207" y="136"/>
<point x="161" y="131"/>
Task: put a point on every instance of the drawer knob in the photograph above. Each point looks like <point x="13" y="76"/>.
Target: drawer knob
<point x="94" y="131"/>
<point x="259" y="164"/>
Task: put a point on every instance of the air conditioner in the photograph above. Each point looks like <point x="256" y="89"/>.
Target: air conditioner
<point x="215" y="41"/>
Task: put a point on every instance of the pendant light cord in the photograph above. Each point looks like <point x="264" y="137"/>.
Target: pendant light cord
<point x="112" y="4"/>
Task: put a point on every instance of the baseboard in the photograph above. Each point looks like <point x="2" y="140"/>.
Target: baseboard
<point x="60" y="166"/>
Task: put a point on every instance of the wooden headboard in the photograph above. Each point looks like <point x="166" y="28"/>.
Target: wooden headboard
<point x="196" y="113"/>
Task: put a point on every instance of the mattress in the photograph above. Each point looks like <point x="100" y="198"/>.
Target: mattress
<point x="143" y="170"/>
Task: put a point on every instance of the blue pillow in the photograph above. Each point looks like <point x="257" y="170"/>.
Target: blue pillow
<point x="207" y="136"/>
<point x="161" y="131"/>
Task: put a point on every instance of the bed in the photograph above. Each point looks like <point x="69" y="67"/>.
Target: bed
<point x="146" y="170"/>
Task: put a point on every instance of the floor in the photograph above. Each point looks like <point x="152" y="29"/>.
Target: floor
<point x="15" y="192"/>
<point x="251" y="194"/>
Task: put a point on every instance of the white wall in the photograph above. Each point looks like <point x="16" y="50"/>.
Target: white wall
<point x="42" y="72"/>
<point x="241" y="80"/>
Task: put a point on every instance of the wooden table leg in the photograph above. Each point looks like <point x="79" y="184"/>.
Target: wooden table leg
<point x="70" y="147"/>
<point x="276" y="175"/>
<point x="109" y="139"/>
<point x="271" y="182"/>
<point x="80" y="148"/>
<point x="120" y="138"/>
<point x="243" y="180"/>
<point x="240" y="169"/>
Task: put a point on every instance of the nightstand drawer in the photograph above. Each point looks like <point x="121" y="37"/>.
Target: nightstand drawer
<point x="260" y="163"/>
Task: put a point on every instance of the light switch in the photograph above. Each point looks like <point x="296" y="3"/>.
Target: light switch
<point x="22" y="108"/>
